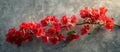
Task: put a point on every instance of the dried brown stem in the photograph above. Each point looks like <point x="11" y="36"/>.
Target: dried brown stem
<point x="91" y="23"/>
<point x="117" y="25"/>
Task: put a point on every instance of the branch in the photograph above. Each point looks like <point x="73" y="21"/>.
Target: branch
<point x="86" y="23"/>
<point x="117" y="25"/>
<point x="91" y="23"/>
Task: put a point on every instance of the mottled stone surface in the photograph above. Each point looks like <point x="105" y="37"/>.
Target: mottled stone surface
<point x="13" y="12"/>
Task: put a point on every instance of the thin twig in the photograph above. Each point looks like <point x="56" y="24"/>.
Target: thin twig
<point x="117" y="25"/>
<point x="90" y="23"/>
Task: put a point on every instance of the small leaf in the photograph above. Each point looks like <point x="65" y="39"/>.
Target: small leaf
<point x="72" y="32"/>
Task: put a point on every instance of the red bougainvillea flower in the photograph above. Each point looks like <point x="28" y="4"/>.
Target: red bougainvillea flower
<point x="61" y="37"/>
<point x="72" y="37"/>
<point x="26" y="26"/>
<point x="51" y="32"/>
<point x="94" y="15"/>
<point x="84" y="13"/>
<point x="54" y="40"/>
<point x="10" y="35"/>
<point x="109" y="24"/>
<point x="69" y="22"/>
<point x="45" y="39"/>
<point x="17" y="37"/>
<point x="51" y="19"/>
<point x="57" y="26"/>
<point x="44" y="23"/>
<point x="38" y="30"/>
<point x="14" y="37"/>
<point x="72" y="21"/>
<point x="26" y="35"/>
<point x="48" y="20"/>
<point x="85" y="29"/>
<point x="64" y="20"/>
<point x="103" y="10"/>
<point x="102" y="18"/>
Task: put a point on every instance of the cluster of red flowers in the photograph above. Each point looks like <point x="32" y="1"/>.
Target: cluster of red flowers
<point x="50" y="27"/>
<point x="95" y="16"/>
<point x="85" y="29"/>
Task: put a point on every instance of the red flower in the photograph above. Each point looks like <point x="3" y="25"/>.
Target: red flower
<point x="14" y="37"/>
<point x="72" y="21"/>
<point x="85" y="29"/>
<point x="10" y="35"/>
<point x="51" y="32"/>
<point x="38" y="30"/>
<point x="49" y="20"/>
<point x="45" y="39"/>
<point x="27" y="37"/>
<point x="17" y="37"/>
<point x="103" y="11"/>
<point x="44" y="23"/>
<point x="84" y="13"/>
<point x="94" y="14"/>
<point x="72" y="37"/>
<point x="69" y="22"/>
<point x="64" y="20"/>
<point x="54" y="40"/>
<point x="57" y="26"/>
<point x="26" y="26"/>
<point x="61" y="37"/>
<point x="54" y="19"/>
<point x="102" y="18"/>
<point x="109" y="24"/>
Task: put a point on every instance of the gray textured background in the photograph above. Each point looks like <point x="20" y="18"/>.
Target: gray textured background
<point x="13" y="12"/>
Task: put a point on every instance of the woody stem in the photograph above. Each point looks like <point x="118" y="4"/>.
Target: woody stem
<point x="96" y="23"/>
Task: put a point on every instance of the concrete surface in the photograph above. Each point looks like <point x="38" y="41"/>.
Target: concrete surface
<point x="13" y="12"/>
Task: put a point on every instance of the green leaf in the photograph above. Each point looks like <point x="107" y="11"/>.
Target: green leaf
<point x="71" y="32"/>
